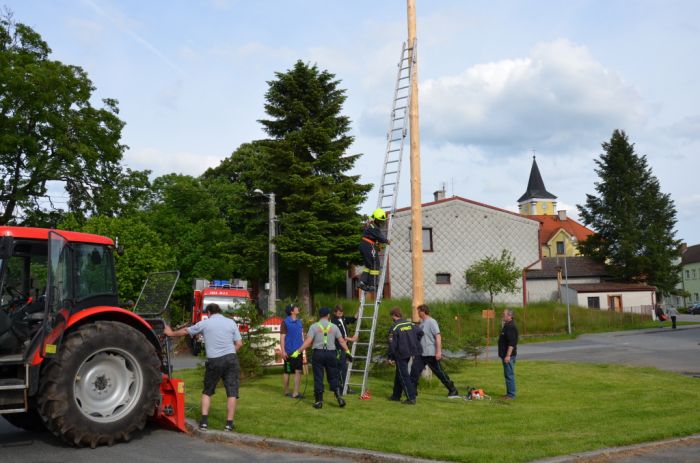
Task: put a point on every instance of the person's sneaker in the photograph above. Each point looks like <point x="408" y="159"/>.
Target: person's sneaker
<point x="507" y="397"/>
<point x="394" y="399"/>
<point x="288" y="394"/>
<point x="408" y="402"/>
<point x="228" y="428"/>
<point x="203" y="426"/>
<point x="453" y="394"/>
<point x="298" y="396"/>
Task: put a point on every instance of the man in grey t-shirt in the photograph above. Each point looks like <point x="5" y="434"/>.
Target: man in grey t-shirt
<point x="322" y="336"/>
<point x="431" y="342"/>
<point x="221" y="339"/>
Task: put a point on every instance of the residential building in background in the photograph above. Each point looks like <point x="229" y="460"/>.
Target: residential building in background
<point x="690" y="268"/>
<point x="458" y="232"/>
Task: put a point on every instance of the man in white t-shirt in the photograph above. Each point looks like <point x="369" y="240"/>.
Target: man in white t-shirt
<point x="222" y="340"/>
<point x="432" y="352"/>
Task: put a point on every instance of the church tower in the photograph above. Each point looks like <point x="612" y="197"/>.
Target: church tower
<point x="537" y="200"/>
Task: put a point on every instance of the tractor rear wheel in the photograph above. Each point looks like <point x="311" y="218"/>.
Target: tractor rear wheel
<point x="102" y="385"/>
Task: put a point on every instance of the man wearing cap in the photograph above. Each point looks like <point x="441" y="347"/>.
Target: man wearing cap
<point x="322" y="336"/>
<point x="371" y="237"/>
<point x="291" y="339"/>
<point x="404" y="343"/>
<point x="342" y="322"/>
<point x="221" y="340"/>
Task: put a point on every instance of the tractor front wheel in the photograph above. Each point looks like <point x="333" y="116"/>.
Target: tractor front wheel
<point x="102" y="385"/>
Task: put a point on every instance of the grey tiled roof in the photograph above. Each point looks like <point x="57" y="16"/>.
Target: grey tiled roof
<point x="610" y="286"/>
<point x="578" y="266"/>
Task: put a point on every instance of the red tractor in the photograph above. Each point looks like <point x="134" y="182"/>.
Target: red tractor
<point x="71" y="360"/>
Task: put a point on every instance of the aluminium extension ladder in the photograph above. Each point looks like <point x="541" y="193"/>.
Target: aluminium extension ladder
<point x="366" y="325"/>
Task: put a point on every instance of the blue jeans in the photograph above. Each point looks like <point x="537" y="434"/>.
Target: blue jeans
<point x="509" y="375"/>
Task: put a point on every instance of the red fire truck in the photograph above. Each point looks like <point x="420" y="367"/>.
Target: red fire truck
<point x="230" y="295"/>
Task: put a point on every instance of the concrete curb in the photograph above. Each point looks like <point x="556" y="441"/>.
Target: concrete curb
<point x="603" y="455"/>
<point x="274" y="444"/>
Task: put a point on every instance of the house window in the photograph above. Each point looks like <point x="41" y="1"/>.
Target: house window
<point x="696" y="297"/>
<point x="442" y="278"/>
<point x="687" y="274"/>
<point x="693" y="274"/>
<point x="427" y="239"/>
<point x="594" y="302"/>
<point x="560" y="248"/>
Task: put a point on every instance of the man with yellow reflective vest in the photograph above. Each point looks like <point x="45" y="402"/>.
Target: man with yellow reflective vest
<point x="372" y="236"/>
<point x="322" y="336"/>
<point x="404" y="343"/>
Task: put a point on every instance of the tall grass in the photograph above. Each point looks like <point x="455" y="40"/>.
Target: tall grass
<point x="460" y="321"/>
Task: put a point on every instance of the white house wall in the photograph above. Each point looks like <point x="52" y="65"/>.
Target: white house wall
<point x="629" y="298"/>
<point x="546" y="289"/>
<point x="463" y="233"/>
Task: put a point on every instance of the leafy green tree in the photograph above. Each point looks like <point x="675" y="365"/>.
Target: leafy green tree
<point x="634" y="221"/>
<point x="144" y="251"/>
<point x="494" y="275"/>
<point x="304" y="164"/>
<point x="192" y="224"/>
<point x="51" y="134"/>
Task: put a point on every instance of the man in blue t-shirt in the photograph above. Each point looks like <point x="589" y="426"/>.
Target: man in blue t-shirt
<point x="221" y="340"/>
<point x="291" y="338"/>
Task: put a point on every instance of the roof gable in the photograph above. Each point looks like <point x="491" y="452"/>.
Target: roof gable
<point x="551" y="224"/>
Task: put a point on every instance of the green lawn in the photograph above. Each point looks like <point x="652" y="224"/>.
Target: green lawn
<point x="561" y="408"/>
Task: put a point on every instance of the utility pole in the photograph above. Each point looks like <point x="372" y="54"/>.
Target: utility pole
<point x="272" y="259"/>
<point x="416" y="212"/>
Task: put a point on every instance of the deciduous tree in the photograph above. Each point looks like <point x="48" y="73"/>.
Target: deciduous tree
<point x="494" y="275"/>
<point x="53" y="138"/>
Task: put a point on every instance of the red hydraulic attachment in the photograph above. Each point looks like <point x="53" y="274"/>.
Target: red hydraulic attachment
<point x="171" y="412"/>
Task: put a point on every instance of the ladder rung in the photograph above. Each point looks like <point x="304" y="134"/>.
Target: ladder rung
<point x="395" y="139"/>
<point x="389" y="184"/>
<point x="392" y="172"/>
<point x="404" y="87"/>
<point x="403" y="97"/>
<point x="404" y="78"/>
<point x="393" y="161"/>
<point x="400" y="107"/>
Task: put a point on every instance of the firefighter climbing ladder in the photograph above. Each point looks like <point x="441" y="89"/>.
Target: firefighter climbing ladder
<point x="361" y="350"/>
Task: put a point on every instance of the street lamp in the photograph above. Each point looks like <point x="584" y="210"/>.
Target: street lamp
<point x="566" y="279"/>
<point x="272" y="276"/>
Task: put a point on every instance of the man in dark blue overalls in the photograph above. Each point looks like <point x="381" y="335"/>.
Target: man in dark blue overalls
<point x="371" y="237"/>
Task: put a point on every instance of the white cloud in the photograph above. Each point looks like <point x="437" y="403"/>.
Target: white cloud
<point x="558" y="96"/>
<point x="161" y="163"/>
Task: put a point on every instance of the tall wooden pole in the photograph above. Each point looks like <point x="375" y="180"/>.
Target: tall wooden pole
<point x="416" y="217"/>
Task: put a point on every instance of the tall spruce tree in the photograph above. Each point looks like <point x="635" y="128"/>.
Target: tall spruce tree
<point x="305" y="164"/>
<point x="634" y="221"/>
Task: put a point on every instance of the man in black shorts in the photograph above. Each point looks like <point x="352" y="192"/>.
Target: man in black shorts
<point x="221" y="340"/>
<point x="291" y="338"/>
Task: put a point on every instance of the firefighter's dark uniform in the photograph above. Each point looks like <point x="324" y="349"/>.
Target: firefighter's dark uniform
<point x="371" y="237"/>
<point x="324" y="335"/>
<point x="341" y="323"/>
<point x="404" y="343"/>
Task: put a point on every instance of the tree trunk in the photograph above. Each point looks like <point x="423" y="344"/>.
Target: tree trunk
<point x="304" y="290"/>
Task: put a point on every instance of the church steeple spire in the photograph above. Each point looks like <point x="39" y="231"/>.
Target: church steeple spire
<point x="536" y="200"/>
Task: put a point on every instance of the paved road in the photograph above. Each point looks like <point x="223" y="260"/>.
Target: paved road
<point x="664" y="348"/>
<point x="152" y="446"/>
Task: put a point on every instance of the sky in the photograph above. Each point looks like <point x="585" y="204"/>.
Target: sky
<point x="499" y="80"/>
